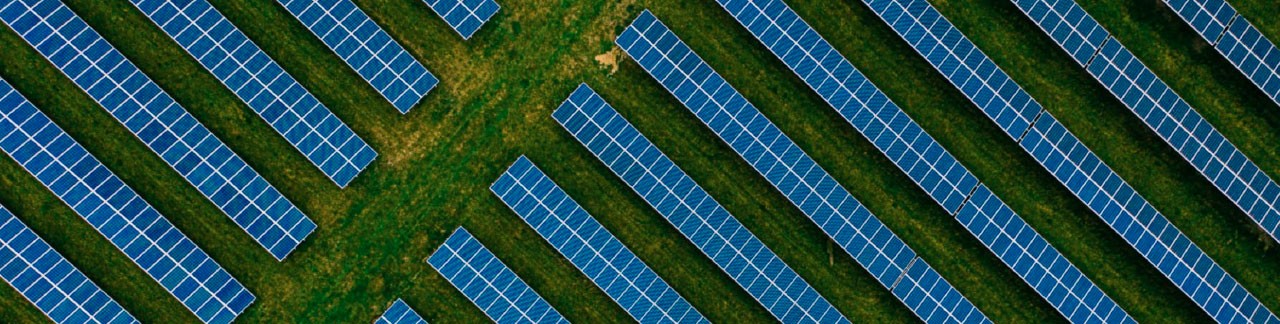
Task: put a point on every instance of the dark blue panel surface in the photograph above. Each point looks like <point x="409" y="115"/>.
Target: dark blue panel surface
<point x="378" y="58"/>
<point x="262" y="84"/>
<point x="810" y="188"/>
<point x="465" y="16"/>
<point x="497" y="291"/>
<point x="117" y="212"/>
<point x="691" y="210"/>
<point x="590" y="247"/>
<point x="49" y="281"/>
<point x="399" y="313"/>
<point x="156" y="119"/>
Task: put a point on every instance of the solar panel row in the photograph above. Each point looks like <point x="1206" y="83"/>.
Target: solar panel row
<point x="488" y="283"/>
<point x="1184" y="129"/>
<point x="590" y="247"/>
<point x="369" y="50"/>
<point x="1073" y="164"/>
<point x="155" y="118"/>
<point x="261" y="83"/>
<point x="465" y="16"/>
<point x="399" y="313"/>
<point x="49" y="281"/>
<point x="718" y="105"/>
<point x="1236" y="39"/>
<point x="864" y="106"/>
<point x="691" y="210"/>
<point x="117" y="212"/>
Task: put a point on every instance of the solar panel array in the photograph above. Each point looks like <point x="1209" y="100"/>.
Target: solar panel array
<point x="365" y="47"/>
<point x="399" y="313"/>
<point x="665" y="57"/>
<point x="1183" y="128"/>
<point x="465" y="16"/>
<point x="1064" y="156"/>
<point x="155" y="118"/>
<point x="691" y="210"/>
<point x="912" y="149"/>
<point x="117" y="212"/>
<point x="49" y="281"/>
<point x="590" y="247"/>
<point x="270" y="91"/>
<point x="1237" y="39"/>
<point x="488" y="283"/>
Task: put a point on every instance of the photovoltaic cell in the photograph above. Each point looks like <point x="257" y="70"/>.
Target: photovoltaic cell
<point x="49" y="281"/>
<point x="156" y="119"/>
<point x="719" y="106"/>
<point x="400" y="313"/>
<point x="270" y="91"/>
<point x="865" y="107"/>
<point x="117" y="212"/>
<point x="1077" y="167"/>
<point x="590" y="247"/>
<point x="488" y="283"/>
<point x="365" y="47"/>
<point x="1190" y="134"/>
<point x="1236" y="39"/>
<point x="465" y="16"/>
<point x="692" y="211"/>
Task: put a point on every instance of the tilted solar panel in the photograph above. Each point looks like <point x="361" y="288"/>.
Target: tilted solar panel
<point x="465" y="16"/>
<point x="400" y="313"/>
<point x="369" y="50"/>
<point x="262" y="84"/>
<point x="590" y="247"/>
<point x="693" y="212"/>
<point x="1236" y="39"/>
<point x="1073" y="164"/>
<point x="117" y="212"/>
<point x="719" y="106"/>
<point x="156" y="119"/>
<point x="49" y="281"/>
<point x="488" y="283"/>
<point x="864" y="106"/>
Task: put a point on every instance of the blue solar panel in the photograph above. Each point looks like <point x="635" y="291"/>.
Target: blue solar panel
<point x="49" y="281"/>
<point x="718" y="105"/>
<point x="922" y="158"/>
<point x="155" y="118"/>
<point x="590" y="247"/>
<point x="399" y="313"/>
<point x="691" y="210"/>
<point x="1068" y="25"/>
<point x="365" y="47"/>
<point x="270" y="91"/>
<point x="490" y="285"/>
<point x="1190" y="134"/>
<point x="1236" y="39"/>
<point x="465" y="16"/>
<point x="117" y="212"/>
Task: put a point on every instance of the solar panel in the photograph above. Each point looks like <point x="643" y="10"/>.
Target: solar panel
<point x="156" y="119"/>
<point x="864" y="106"/>
<point x="117" y="212"/>
<point x="691" y="210"/>
<point x="400" y="313"/>
<point x="590" y="247"/>
<point x="665" y="57"/>
<point x="488" y="283"/>
<point x="270" y="91"/>
<point x="49" y="281"/>
<point x="1068" y="25"/>
<point x="1190" y="134"/>
<point x="1236" y="39"/>
<point x="365" y="47"/>
<point x="1073" y="164"/>
<point x="465" y="16"/>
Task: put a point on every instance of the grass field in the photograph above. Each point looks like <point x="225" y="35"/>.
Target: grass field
<point x="494" y="102"/>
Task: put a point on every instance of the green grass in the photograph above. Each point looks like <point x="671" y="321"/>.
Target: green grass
<point x="494" y="103"/>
